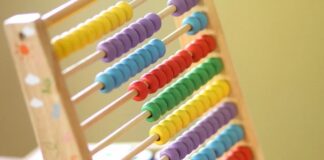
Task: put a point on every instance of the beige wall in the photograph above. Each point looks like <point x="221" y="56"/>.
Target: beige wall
<point x="277" y="51"/>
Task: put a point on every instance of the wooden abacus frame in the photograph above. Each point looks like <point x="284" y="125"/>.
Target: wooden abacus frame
<point x="56" y="126"/>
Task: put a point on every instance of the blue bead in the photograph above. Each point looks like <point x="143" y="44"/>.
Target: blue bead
<point x="227" y="142"/>
<point x="124" y="69"/>
<point x="131" y="65"/>
<point x="106" y="80"/>
<point x="153" y="51"/>
<point x="233" y="135"/>
<point x="146" y="56"/>
<point x="238" y="130"/>
<point x="209" y="153"/>
<point x="139" y="61"/>
<point x="199" y="156"/>
<point x="159" y="45"/>
<point x="217" y="146"/>
<point x="194" y="23"/>
<point x="201" y="16"/>
<point x="116" y="74"/>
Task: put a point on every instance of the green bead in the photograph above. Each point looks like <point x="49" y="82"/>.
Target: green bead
<point x="169" y="99"/>
<point x="154" y="109"/>
<point x="176" y="94"/>
<point x="195" y="78"/>
<point x="203" y="74"/>
<point x="217" y="63"/>
<point x="183" y="90"/>
<point x="162" y="104"/>
<point x="188" y="84"/>
<point x="210" y="69"/>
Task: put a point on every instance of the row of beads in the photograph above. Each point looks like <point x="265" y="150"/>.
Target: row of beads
<point x="240" y="153"/>
<point x="92" y="29"/>
<point x="222" y="143"/>
<point x="196" y="135"/>
<point x="114" y="76"/>
<point x="182" y="88"/>
<point x="172" y="67"/>
<point x="182" y="5"/>
<point x="130" y="37"/>
<point x="194" y="108"/>
<point x="129" y="66"/>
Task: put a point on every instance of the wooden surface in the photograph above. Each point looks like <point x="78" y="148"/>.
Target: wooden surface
<point x="214" y="28"/>
<point x="54" y="120"/>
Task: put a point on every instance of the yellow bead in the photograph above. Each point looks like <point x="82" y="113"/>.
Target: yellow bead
<point x="213" y="97"/>
<point x="66" y="44"/>
<point x="121" y="15"/>
<point x="101" y="22"/>
<point x="86" y="34"/>
<point x="176" y="121"/>
<point x="218" y="89"/>
<point x="97" y="27"/>
<point x="74" y="40"/>
<point x="226" y="86"/>
<point x="58" y="49"/>
<point x="162" y="132"/>
<point x="205" y="101"/>
<point x="106" y="23"/>
<point x="80" y="35"/>
<point x="170" y="126"/>
<point x="184" y="116"/>
<point x="89" y="31"/>
<point x="198" y="105"/>
<point x="127" y="8"/>
<point x="193" y="113"/>
<point x="112" y="17"/>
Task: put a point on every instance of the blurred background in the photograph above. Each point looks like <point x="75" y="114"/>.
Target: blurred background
<point x="277" y="50"/>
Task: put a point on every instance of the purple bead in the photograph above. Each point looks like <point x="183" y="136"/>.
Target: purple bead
<point x="118" y="45"/>
<point x="194" y="138"/>
<point x="133" y="35"/>
<point x="141" y="32"/>
<point x="171" y="153"/>
<point x="155" y="19"/>
<point x="109" y="49"/>
<point x="202" y="133"/>
<point x="181" y="6"/>
<point x="191" y="3"/>
<point x="148" y="25"/>
<point x="232" y="108"/>
<point x="227" y="114"/>
<point x="125" y="40"/>
<point x="208" y="127"/>
<point x="220" y="117"/>
<point x="181" y="148"/>
<point x="188" y="142"/>
<point x="214" y="123"/>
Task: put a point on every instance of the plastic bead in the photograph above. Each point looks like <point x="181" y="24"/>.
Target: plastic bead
<point x="140" y="31"/>
<point x="116" y="74"/>
<point x="186" y="56"/>
<point x="153" y="51"/>
<point x="217" y="146"/>
<point x="162" y="104"/>
<point x="167" y="71"/>
<point x="174" y="66"/>
<point x="148" y="25"/>
<point x="181" y="148"/>
<point x="199" y="156"/>
<point x="201" y="16"/>
<point x="181" y="6"/>
<point x="171" y="153"/>
<point x="162" y="132"/>
<point x="184" y="116"/>
<point x="152" y="81"/>
<point x="160" y="76"/>
<point x="155" y="19"/>
<point x="153" y="109"/>
<point x="160" y="45"/>
<point x="138" y="60"/>
<point x="176" y="121"/>
<point x="170" y="126"/>
<point x="109" y="49"/>
<point x="141" y="90"/>
<point x="188" y="142"/>
<point x="107" y="80"/>
<point x="145" y="54"/>
<point x="169" y="99"/>
<point x="194" y="23"/>
<point x="132" y="35"/>
<point x="210" y="41"/>
<point x="208" y="153"/>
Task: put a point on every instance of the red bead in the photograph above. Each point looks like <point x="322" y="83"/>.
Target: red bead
<point x="203" y="45"/>
<point x="180" y="61"/>
<point x="247" y="152"/>
<point x="167" y="71"/>
<point x="239" y="155"/>
<point x="211" y="41"/>
<point x="152" y="81"/>
<point x="174" y="66"/>
<point x="186" y="56"/>
<point x="159" y="74"/>
<point x="196" y="51"/>
<point x="141" y="89"/>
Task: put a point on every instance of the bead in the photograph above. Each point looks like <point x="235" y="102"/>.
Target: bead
<point x="139" y="60"/>
<point x="191" y="3"/>
<point x="181" y="62"/>
<point x="106" y="80"/>
<point x="112" y="18"/>
<point x="171" y="153"/>
<point x="141" y="32"/>
<point x="217" y="63"/>
<point x="109" y="50"/>
<point x="238" y="130"/>
<point x="153" y="109"/>
<point x="211" y="41"/>
<point x="199" y="156"/>
<point x="203" y="45"/>
<point x="176" y="94"/>
<point x="162" y="104"/>
<point x="181" y="6"/>
<point x="176" y="121"/>
<point x="133" y="36"/>
<point x="126" y="41"/>
<point x="225" y="86"/>
<point x="196" y="51"/>
<point x="153" y="51"/>
<point x="160" y="76"/>
<point x="169" y="99"/>
<point x="184" y="116"/>
<point x="214" y="123"/>
<point x="193" y="113"/>
<point x="174" y="66"/>
<point x="220" y="117"/>
<point x="194" y="23"/>
<point x="212" y="96"/>
<point x="210" y="154"/>
<point x="131" y="65"/>
<point x="202" y="17"/>
<point x="232" y="108"/>
<point x="202" y="133"/>
<point x="225" y="140"/>
<point x="127" y="8"/>
<point x="148" y="25"/>
<point x="186" y="56"/>
<point x="181" y="148"/>
<point x="170" y="126"/>
<point x="167" y="71"/>
<point x="152" y="81"/>
<point x="118" y="45"/>
<point x="194" y="137"/>
<point x="202" y="74"/>
<point x="198" y="105"/>
<point x="155" y="19"/>
<point x="217" y="146"/>
<point x="187" y="141"/>
<point x="226" y="114"/>
<point x="246" y="151"/>
<point x="116" y="74"/>
<point x="146" y="55"/>
<point x="194" y="77"/>
<point x="160" y="45"/>
<point x="208" y="127"/>
<point x="162" y="132"/>
<point x="232" y="134"/>
<point x="188" y="84"/>
<point x="141" y="90"/>
<point x="183" y="90"/>
<point x="205" y="101"/>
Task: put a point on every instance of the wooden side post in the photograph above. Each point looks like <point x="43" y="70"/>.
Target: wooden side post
<point x="214" y="28"/>
<point x="52" y="114"/>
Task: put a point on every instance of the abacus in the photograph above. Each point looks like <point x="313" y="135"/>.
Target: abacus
<point x="207" y="95"/>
